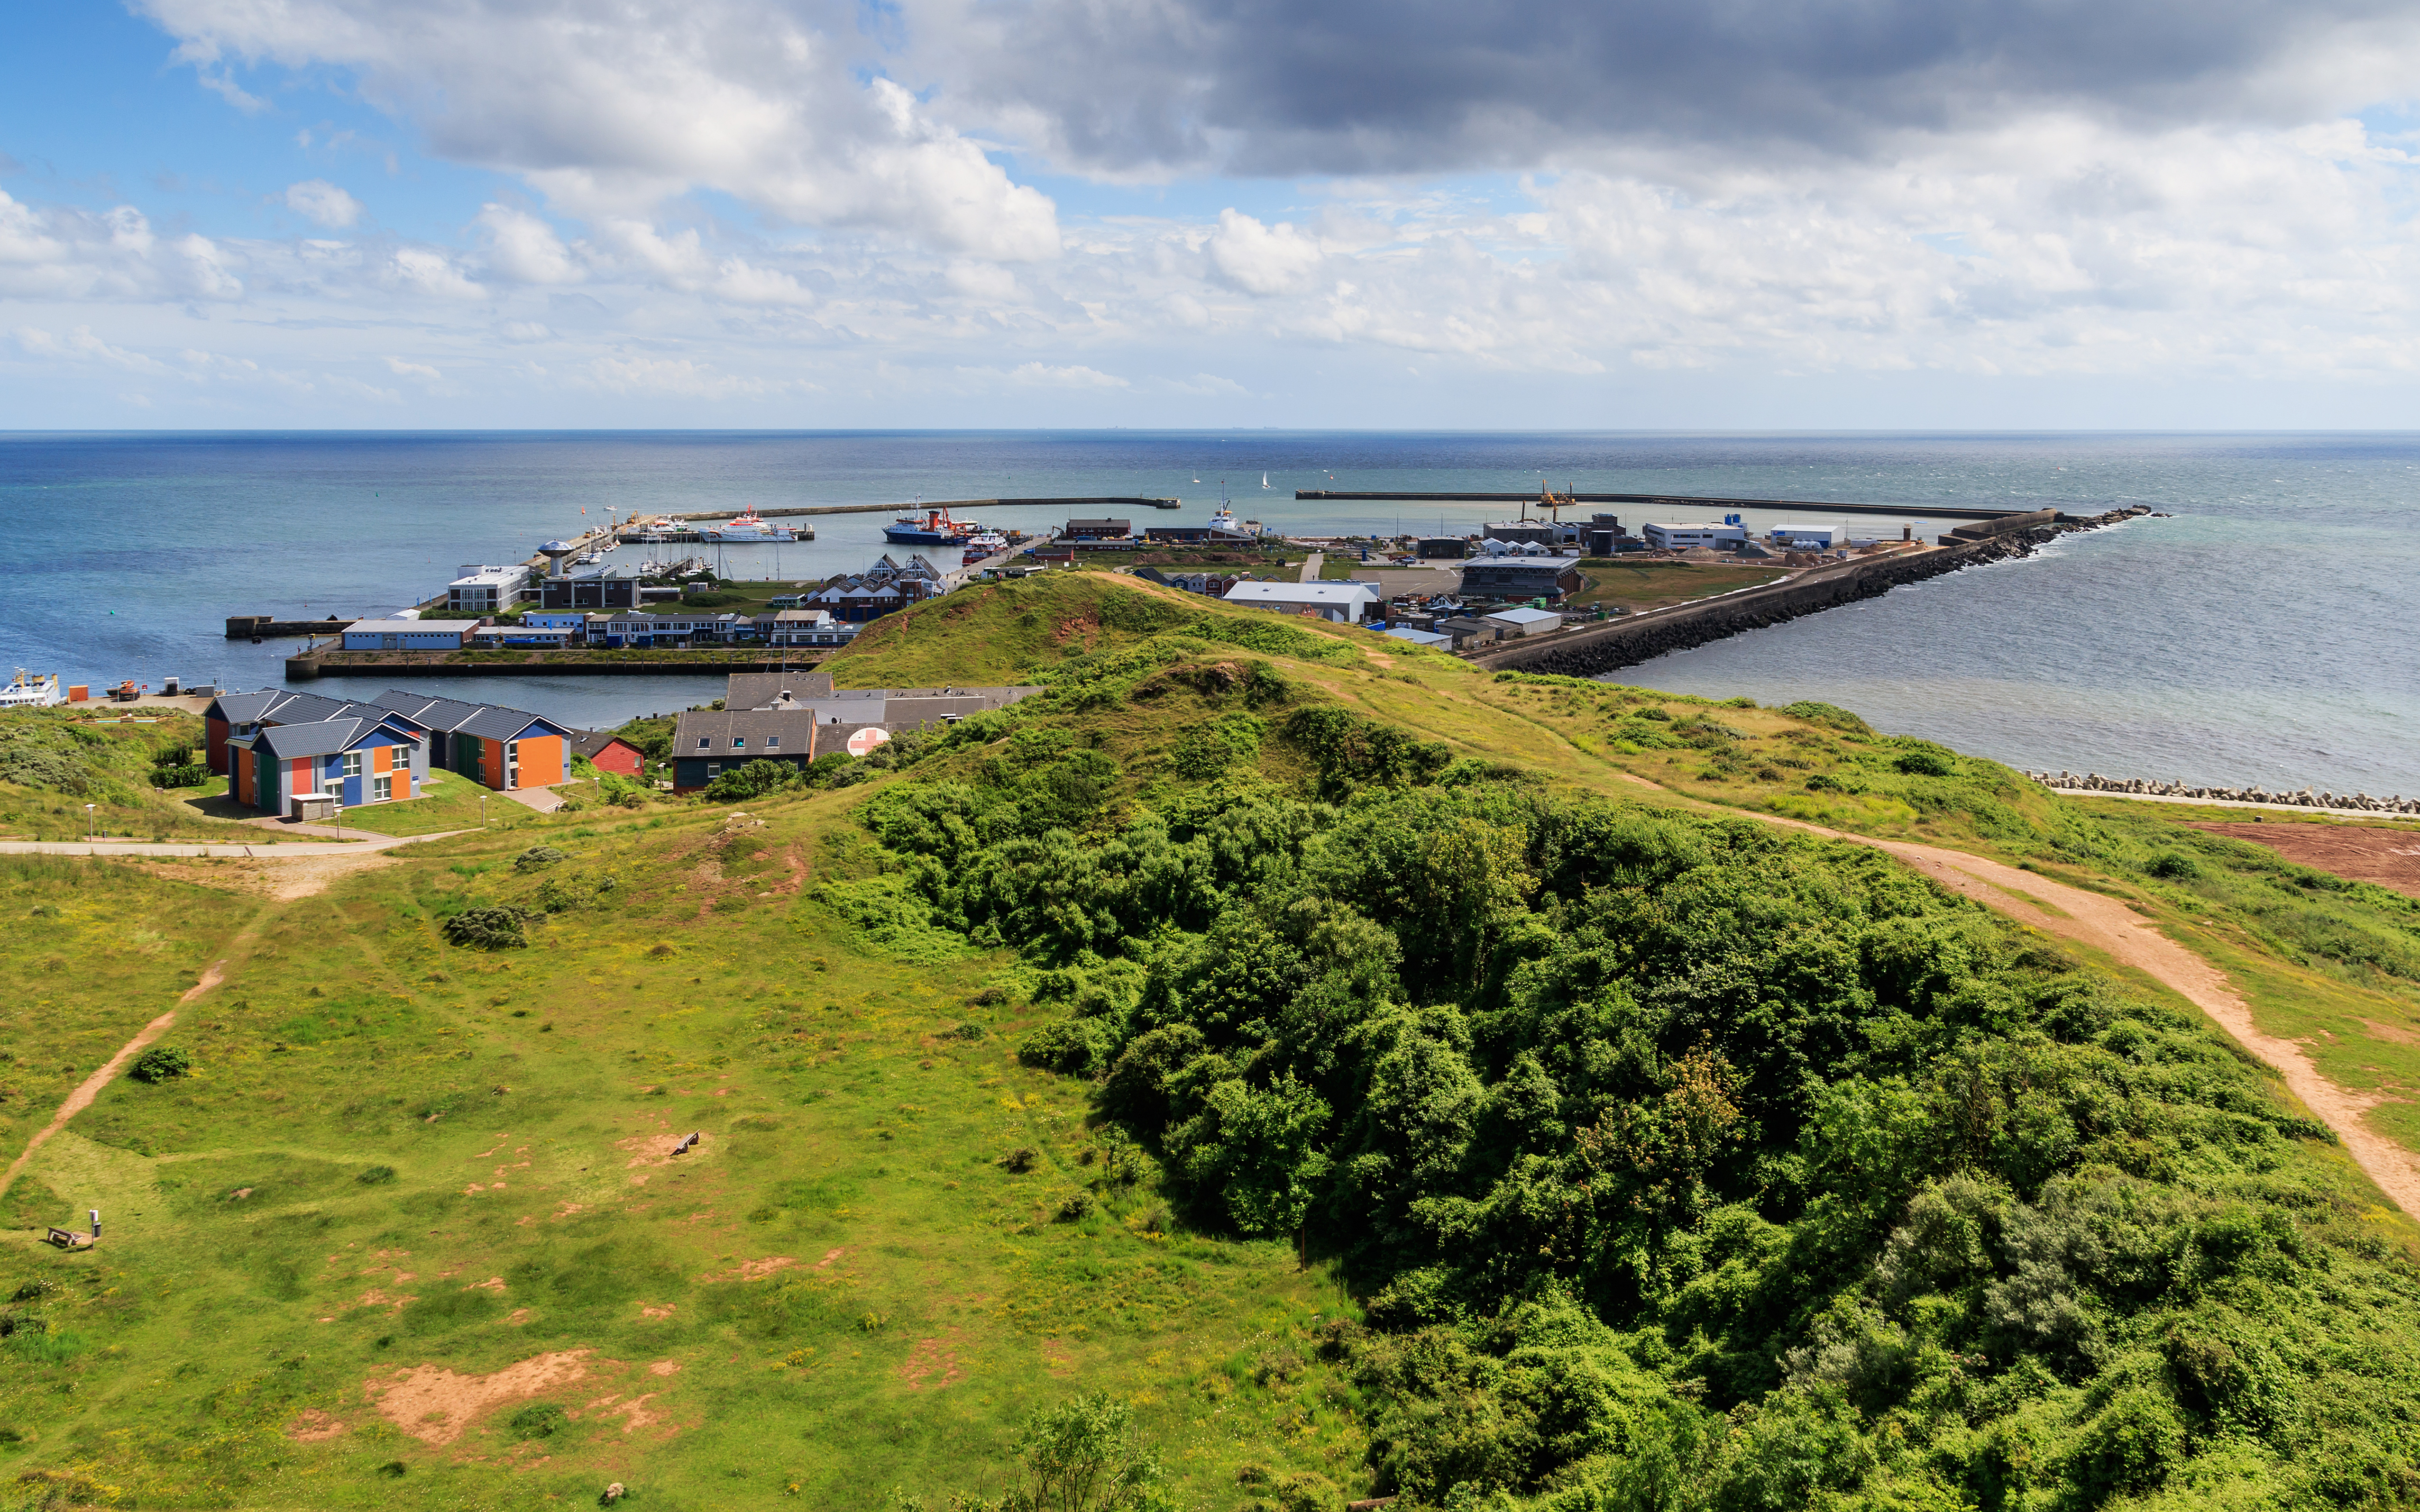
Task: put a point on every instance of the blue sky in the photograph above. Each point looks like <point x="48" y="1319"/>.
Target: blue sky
<point x="752" y="212"/>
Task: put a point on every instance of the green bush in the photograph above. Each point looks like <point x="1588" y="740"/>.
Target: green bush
<point x="540" y="1420"/>
<point x="753" y="780"/>
<point x="1688" y="1165"/>
<point x="2173" y="867"/>
<point x="497" y="927"/>
<point x="539" y="858"/>
<point x="160" y="1063"/>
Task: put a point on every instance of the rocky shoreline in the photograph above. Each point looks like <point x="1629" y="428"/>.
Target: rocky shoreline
<point x="2337" y="802"/>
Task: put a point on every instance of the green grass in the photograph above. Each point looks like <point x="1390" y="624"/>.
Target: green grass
<point x="511" y="1096"/>
<point x="1642" y="585"/>
<point x="380" y="1124"/>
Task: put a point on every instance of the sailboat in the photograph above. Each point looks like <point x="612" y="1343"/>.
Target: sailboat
<point x="1265" y="480"/>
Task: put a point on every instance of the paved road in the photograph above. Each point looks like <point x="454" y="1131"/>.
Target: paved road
<point x="1310" y="566"/>
<point x="257" y="853"/>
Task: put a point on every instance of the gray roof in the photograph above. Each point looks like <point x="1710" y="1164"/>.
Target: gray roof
<point x="245" y="708"/>
<point x="757" y="690"/>
<point x="320" y="737"/>
<point x="495" y="723"/>
<point x="422" y="708"/>
<point x="305" y="708"/>
<point x="589" y="742"/>
<point x="795" y="729"/>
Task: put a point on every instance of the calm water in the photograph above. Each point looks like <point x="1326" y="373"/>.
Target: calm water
<point x="2265" y="634"/>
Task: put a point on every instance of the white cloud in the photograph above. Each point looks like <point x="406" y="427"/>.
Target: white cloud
<point x="524" y="249"/>
<point x="323" y="203"/>
<point x="612" y="115"/>
<point x="426" y="270"/>
<point x="1263" y="259"/>
<point x="1041" y="375"/>
<point x="413" y="370"/>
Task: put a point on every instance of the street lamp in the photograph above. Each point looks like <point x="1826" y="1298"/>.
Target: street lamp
<point x="89" y="821"/>
<point x="482" y="810"/>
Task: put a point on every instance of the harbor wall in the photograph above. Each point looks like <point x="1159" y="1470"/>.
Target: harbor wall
<point x="1626" y="642"/>
<point x="560" y="664"/>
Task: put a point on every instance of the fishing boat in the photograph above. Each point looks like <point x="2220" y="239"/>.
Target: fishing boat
<point x="745" y="529"/>
<point x="29" y="692"/>
<point x="933" y="528"/>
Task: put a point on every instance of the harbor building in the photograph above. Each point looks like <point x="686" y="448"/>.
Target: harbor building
<point x="487" y="590"/>
<point x="1823" y="536"/>
<point x="1513" y="577"/>
<point x="1341" y="603"/>
<point x="1514" y="622"/>
<point x="406" y="635"/>
<point x="1537" y="531"/>
<point x="591" y="589"/>
<point x="1681" y="537"/>
<point x="1098" y="529"/>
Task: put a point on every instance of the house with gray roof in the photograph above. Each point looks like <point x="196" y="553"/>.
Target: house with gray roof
<point x="362" y="759"/>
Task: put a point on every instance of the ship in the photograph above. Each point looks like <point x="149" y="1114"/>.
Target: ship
<point x="746" y="529"/>
<point x="933" y="528"/>
<point x="988" y="544"/>
<point x="29" y="692"/>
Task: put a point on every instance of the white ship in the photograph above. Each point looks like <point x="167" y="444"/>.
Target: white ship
<point x="31" y="692"/>
<point x="747" y="529"/>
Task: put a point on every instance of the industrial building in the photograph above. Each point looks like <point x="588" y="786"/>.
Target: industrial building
<point x="406" y="635"/>
<point x="1341" y="603"/>
<point x="487" y="590"/>
<point x="1520" y="578"/>
<point x="1680" y="538"/>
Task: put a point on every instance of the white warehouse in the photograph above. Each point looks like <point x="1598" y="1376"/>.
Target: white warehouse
<point x="1673" y="537"/>
<point x="1823" y="536"/>
<point x="1342" y="602"/>
<point x="487" y="590"/>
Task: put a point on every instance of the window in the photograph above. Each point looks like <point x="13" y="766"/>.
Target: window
<point x="740" y="743"/>
<point x="352" y="763"/>
<point x="773" y="743"/>
<point x="382" y="789"/>
<point x="714" y="768"/>
<point x="704" y="741"/>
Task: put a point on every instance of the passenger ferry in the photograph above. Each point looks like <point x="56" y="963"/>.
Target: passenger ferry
<point x="747" y="529"/>
<point x="29" y="692"/>
<point x="933" y="528"/>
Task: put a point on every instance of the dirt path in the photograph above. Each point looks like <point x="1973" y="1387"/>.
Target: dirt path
<point x="83" y="1096"/>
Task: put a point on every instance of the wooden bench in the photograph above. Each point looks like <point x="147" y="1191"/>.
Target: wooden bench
<point x="70" y="1239"/>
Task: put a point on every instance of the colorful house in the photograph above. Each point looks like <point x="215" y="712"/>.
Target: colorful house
<point x="235" y="715"/>
<point x="491" y="745"/>
<point x="355" y="761"/>
<point x="608" y="752"/>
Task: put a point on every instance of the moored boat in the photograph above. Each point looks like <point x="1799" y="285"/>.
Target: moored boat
<point x="28" y="690"/>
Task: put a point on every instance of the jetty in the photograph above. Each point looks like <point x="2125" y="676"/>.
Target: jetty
<point x="1682" y="500"/>
<point x="1597" y="649"/>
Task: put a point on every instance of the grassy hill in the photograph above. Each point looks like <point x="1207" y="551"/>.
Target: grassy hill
<point x="1333" y="1053"/>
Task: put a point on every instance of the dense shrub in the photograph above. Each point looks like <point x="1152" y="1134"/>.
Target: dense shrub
<point x="160" y="1063"/>
<point x="1683" y="1163"/>
<point x="495" y="928"/>
<point x="539" y="858"/>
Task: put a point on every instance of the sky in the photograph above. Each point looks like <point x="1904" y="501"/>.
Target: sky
<point x="1416" y="214"/>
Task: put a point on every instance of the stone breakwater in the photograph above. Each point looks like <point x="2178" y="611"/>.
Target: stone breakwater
<point x="1604" y="648"/>
<point x="2355" y="803"/>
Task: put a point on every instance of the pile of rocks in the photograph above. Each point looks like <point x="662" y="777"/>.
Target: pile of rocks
<point x="2095" y="782"/>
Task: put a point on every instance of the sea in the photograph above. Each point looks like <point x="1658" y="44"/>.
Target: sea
<point x="2266" y="630"/>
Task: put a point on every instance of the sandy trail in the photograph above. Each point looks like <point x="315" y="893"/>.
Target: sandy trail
<point x="81" y="1097"/>
<point x="2109" y="925"/>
